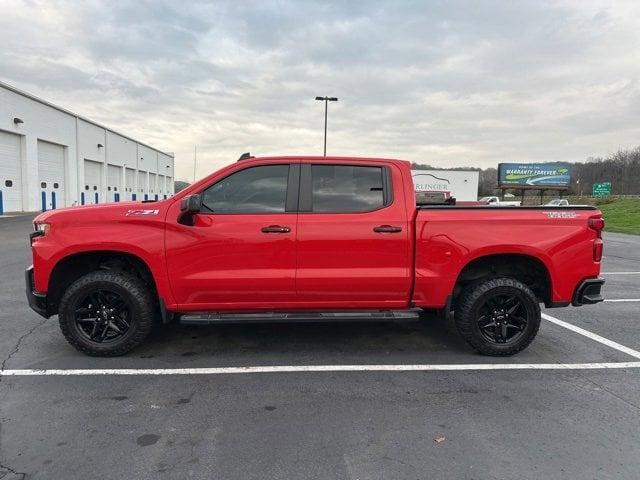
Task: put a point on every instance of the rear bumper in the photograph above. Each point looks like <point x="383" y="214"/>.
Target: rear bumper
<point x="37" y="301"/>
<point x="589" y="292"/>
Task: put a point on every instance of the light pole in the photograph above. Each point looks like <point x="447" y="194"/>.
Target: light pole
<point x="326" y="101"/>
<point x="195" y="154"/>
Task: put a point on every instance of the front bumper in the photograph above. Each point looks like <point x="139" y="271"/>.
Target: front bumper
<point x="589" y="292"/>
<point x="37" y="301"/>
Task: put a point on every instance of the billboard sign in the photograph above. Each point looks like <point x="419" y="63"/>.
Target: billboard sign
<point x="602" y="189"/>
<point x="534" y="174"/>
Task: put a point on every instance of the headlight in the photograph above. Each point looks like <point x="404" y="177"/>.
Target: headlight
<point x="42" y="228"/>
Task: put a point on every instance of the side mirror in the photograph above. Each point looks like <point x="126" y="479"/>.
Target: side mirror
<point x="191" y="204"/>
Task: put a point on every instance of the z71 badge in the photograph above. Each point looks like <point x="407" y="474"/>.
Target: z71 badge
<point x="561" y="214"/>
<point x="131" y="213"/>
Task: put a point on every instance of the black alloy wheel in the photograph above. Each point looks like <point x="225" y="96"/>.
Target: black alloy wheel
<point x="107" y="312"/>
<point x="498" y="316"/>
<point x="503" y="318"/>
<point x="103" y="316"/>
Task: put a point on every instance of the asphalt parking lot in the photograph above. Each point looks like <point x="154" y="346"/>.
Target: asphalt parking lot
<point x="567" y="407"/>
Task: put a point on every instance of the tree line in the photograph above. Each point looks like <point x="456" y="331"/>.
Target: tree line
<point x="621" y="168"/>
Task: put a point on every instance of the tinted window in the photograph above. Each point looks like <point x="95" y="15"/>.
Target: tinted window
<point x="344" y="188"/>
<point x="43" y="185"/>
<point x="55" y="185"/>
<point x="8" y="183"/>
<point x="253" y="190"/>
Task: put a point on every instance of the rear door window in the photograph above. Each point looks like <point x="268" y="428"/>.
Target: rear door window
<point x="346" y="188"/>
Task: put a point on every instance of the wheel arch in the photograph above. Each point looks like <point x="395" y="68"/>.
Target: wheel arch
<point x="70" y="268"/>
<point x="528" y="269"/>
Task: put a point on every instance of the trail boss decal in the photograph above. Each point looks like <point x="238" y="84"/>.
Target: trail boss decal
<point x="132" y="213"/>
<point x="557" y="215"/>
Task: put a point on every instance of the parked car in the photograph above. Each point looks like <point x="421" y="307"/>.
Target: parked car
<point x="309" y="237"/>
<point x="558" y="202"/>
<point x="495" y="201"/>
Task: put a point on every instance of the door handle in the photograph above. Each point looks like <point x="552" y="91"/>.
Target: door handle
<point x="275" y="229"/>
<point x="387" y="229"/>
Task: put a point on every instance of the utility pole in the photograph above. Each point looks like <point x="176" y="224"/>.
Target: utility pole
<point x="326" y="101"/>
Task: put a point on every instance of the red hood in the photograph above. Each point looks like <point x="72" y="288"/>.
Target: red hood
<point x="104" y="211"/>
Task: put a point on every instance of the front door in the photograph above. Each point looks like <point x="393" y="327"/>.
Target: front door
<point x="240" y="251"/>
<point x="353" y="237"/>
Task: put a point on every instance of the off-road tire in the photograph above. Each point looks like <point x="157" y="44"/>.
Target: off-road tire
<point x="471" y="300"/>
<point x="125" y="284"/>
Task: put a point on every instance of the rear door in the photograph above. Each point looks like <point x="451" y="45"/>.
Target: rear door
<point x="240" y="252"/>
<point x="353" y="237"/>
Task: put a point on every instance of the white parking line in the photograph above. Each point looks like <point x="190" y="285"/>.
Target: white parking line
<point x="592" y="336"/>
<point x="619" y="273"/>
<point x="352" y="368"/>
<point x="622" y="299"/>
<point x="319" y="368"/>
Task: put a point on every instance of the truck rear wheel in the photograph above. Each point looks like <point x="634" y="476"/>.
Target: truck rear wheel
<point x="106" y="313"/>
<point x="498" y="317"/>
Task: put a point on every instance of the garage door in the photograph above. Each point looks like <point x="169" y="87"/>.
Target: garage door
<point x="161" y="192"/>
<point x="169" y="186"/>
<point x="10" y="173"/>
<point x="114" y="182"/>
<point x="142" y="185"/>
<point x="92" y="181"/>
<point x="153" y="189"/>
<point x="51" y="175"/>
<point x="130" y="183"/>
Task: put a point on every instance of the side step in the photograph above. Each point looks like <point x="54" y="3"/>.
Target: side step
<point x="211" y="318"/>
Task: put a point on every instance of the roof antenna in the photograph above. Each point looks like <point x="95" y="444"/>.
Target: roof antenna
<point x="245" y="156"/>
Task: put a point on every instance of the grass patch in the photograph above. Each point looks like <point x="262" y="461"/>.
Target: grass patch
<point x="621" y="216"/>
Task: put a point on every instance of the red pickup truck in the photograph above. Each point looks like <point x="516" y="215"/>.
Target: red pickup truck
<point x="309" y="237"/>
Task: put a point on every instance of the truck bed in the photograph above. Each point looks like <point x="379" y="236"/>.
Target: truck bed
<point x="448" y="238"/>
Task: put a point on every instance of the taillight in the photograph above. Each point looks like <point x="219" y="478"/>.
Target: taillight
<point x="597" y="224"/>
<point x="597" y="250"/>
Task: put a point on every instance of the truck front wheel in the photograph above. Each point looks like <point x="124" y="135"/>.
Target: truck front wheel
<point x="106" y="313"/>
<point x="498" y="317"/>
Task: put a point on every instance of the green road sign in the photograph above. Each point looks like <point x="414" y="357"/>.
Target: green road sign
<point x="602" y="189"/>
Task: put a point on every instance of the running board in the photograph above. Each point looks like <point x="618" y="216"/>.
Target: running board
<point x="211" y="318"/>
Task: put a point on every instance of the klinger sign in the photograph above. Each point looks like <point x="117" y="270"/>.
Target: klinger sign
<point x="534" y="174"/>
<point x="461" y="184"/>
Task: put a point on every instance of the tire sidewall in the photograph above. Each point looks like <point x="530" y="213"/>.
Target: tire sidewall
<point x="531" y="308"/>
<point x="139" y="323"/>
<point x="467" y="314"/>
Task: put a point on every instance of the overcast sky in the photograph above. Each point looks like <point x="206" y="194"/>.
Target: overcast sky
<point x="446" y="83"/>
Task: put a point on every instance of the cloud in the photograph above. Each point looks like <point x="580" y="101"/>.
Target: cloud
<point x="446" y="83"/>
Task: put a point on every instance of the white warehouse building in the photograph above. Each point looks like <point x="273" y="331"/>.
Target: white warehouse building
<point x="52" y="158"/>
